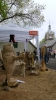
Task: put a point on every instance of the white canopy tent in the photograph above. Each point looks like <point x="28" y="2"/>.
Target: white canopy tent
<point x="21" y="34"/>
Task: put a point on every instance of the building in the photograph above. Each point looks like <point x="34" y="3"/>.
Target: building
<point x="49" y="35"/>
<point x="19" y="46"/>
<point x="50" y="39"/>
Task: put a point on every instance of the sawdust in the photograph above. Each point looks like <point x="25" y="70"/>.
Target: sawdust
<point x="41" y="87"/>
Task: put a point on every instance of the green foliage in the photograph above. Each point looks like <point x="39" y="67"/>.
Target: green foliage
<point x="3" y="9"/>
<point x="24" y="12"/>
<point x="43" y="40"/>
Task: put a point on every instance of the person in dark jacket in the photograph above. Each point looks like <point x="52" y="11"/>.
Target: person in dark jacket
<point x="35" y="54"/>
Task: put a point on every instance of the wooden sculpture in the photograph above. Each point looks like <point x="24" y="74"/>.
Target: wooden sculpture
<point x="9" y="59"/>
<point x="43" y="51"/>
<point x="31" y="59"/>
<point x="43" y="65"/>
<point x="1" y="55"/>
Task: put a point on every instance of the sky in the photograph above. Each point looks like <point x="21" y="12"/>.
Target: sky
<point x="50" y="16"/>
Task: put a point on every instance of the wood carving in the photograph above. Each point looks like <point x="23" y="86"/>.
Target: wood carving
<point x="9" y="59"/>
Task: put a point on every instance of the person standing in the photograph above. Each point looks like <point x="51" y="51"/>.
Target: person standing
<point x="35" y="54"/>
<point x="54" y="55"/>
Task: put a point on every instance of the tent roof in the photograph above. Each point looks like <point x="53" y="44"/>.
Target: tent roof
<point x="21" y="34"/>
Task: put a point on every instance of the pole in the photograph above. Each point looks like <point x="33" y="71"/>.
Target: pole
<point x="26" y="45"/>
<point x="37" y="43"/>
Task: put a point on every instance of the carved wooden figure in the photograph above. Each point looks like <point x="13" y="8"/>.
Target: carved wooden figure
<point x="9" y="59"/>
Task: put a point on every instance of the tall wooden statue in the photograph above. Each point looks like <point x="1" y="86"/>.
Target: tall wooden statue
<point x="9" y="58"/>
<point x="43" y="62"/>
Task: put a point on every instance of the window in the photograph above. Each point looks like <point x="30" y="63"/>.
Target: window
<point x="15" y="45"/>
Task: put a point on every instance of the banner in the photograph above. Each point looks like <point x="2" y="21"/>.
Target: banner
<point x="34" y="33"/>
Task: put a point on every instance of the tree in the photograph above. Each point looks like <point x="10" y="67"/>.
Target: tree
<point x="24" y="12"/>
<point x="43" y="40"/>
<point x="3" y="10"/>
